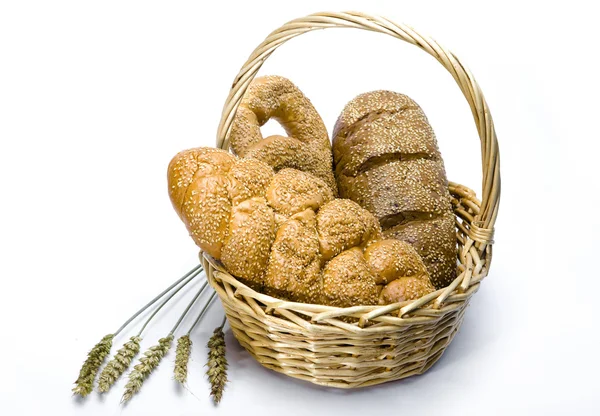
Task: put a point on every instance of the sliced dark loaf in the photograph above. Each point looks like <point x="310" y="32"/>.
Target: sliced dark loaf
<point x="387" y="160"/>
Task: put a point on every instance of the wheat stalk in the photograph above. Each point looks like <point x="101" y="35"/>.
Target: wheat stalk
<point x="184" y="344"/>
<point x="147" y="364"/>
<point x="182" y="356"/>
<point x="120" y="362"/>
<point x="155" y="354"/>
<point x="217" y="363"/>
<point x="85" y="382"/>
<point x="191" y="274"/>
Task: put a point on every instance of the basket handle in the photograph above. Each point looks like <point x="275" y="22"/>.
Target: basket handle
<point x="482" y="227"/>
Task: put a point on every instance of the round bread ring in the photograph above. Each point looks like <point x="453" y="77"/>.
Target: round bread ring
<point x="308" y="148"/>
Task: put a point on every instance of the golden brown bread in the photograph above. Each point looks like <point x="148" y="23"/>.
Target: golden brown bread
<point x="435" y="241"/>
<point x="307" y="149"/>
<point x="387" y="160"/>
<point x="392" y="259"/>
<point x="399" y="270"/>
<point x="285" y="235"/>
<point x="405" y="288"/>
<point x="220" y="199"/>
<point x="204" y="168"/>
<point x="294" y="270"/>
<point x="388" y="271"/>
<point x="343" y="224"/>
<point x="292" y="191"/>
<point x="348" y="280"/>
<point x="248" y="244"/>
<point x="248" y="178"/>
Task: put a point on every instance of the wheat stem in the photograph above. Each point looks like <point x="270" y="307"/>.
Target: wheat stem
<point x="184" y="343"/>
<point x="202" y="312"/>
<point x="85" y="382"/>
<point x="194" y="272"/>
<point x="187" y="309"/>
<point x="224" y="322"/>
<point x="164" y="302"/>
<point x="155" y="354"/>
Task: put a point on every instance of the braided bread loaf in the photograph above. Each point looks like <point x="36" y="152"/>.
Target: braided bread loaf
<point x="387" y="160"/>
<point x="285" y="235"/>
<point x="308" y="147"/>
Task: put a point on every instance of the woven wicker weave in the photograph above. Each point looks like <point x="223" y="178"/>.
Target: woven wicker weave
<point x="319" y="343"/>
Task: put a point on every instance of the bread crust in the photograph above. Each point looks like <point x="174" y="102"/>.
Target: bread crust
<point x="294" y="270"/>
<point x="387" y="160"/>
<point x="220" y="199"/>
<point x="343" y="224"/>
<point x="348" y="280"/>
<point x="292" y="191"/>
<point x="392" y="259"/>
<point x="248" y="244"/>
<point x="307" y="148"/>
<point x="404" y="289"/>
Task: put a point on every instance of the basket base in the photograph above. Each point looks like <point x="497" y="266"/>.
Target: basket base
<point x="370" y="366"/>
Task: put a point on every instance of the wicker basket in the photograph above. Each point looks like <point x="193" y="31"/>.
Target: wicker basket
<point x="317" y="343"/>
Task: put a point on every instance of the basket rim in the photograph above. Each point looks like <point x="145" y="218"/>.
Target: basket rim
<point x="473" y="267"/>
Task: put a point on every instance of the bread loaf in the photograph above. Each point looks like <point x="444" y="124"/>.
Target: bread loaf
<point x="348" y="280"/>
<point x="285" y="235"/>
<point x="292" y="191"/>
<point x="307" y="149"/>
<point x="220" y="199"/>
<point x="343" y="224"/>
<point x="386" y="159"/>
<point x="294" y="270"/>
<point x="248" y="243"/>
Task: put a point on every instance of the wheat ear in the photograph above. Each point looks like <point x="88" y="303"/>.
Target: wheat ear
<point x="217" y="363"/>
<point x="184" y="344"/>
<point x="182" y="356"/>
<point x="155" y="354"/>
<point x="147" y="364"/>
<point x="120" y="362"/>
<point x="85" y="382"/>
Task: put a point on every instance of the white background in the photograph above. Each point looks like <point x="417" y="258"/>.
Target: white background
<point x="96" y="97"/>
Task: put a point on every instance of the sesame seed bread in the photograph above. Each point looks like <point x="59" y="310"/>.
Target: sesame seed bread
<point x="348" y="281"/>
<point x="294" y="270"/>
<point x="399" y="269"/>
<point x="307" y="149"/>
<point x="392" y="259"/>
<point x="248" y="243"/>
<point x="223" y="207"/>
<point x="292" y="191"/>
<point x="343" y="224"/>
<point x="285" y="235"/>
<point x="405" y="288"/>
<point x="387" y="160"/>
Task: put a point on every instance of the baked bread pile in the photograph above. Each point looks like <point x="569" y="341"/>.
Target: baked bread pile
<point x="285" y="234"/>
<point x="270" y="212"/>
